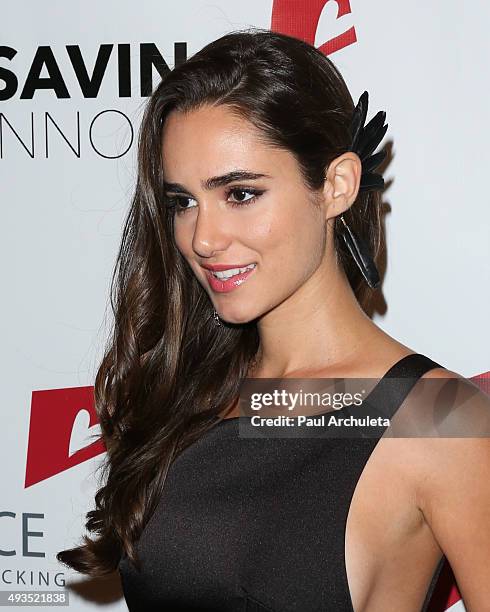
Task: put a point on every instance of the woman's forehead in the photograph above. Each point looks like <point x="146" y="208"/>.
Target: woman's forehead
<point x="213" y="140"/>
<point x="213" y="125"/>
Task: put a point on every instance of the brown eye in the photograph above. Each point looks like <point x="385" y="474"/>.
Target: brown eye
<point x="255" y="193"/>
<point x="177" y="203"/>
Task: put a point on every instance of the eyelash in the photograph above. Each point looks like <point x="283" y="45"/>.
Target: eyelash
<point x="173" y="201"/>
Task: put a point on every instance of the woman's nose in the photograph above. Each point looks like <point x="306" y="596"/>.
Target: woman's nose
<point x="210" y="234"/>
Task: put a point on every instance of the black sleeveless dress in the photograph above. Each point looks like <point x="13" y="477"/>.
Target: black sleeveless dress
<point x="254" y="524"/>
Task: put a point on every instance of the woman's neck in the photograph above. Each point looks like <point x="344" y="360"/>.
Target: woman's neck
<point x="320" y="326"/>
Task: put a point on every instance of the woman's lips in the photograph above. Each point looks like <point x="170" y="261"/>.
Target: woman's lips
<point x="225" y="285"/>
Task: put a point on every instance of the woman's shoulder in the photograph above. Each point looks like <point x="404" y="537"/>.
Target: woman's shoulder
<point x="450" y="390"/>
<point x="442" y="372"/>
<point x="440" y="430"/>
<point x="445" y="404"/>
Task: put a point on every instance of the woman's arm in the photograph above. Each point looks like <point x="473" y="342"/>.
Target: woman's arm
<point x="454" y="494"/>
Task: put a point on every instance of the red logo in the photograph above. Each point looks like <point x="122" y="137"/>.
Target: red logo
<point x="299" y="18"/>
<point x="63" y="432"/>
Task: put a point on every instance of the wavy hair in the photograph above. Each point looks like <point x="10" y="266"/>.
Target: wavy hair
<point x="168" y="371"/>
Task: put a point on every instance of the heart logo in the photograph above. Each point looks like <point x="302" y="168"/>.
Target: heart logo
<point x="82" y="434"/>
<point x="62" y="432"/>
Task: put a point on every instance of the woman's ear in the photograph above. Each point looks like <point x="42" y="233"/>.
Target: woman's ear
<point x="342" y="182"/>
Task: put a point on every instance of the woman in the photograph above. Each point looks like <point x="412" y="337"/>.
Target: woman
<point x="252" y="156"/>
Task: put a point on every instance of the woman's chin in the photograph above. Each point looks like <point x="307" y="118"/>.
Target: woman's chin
<point x="236" y="318"/>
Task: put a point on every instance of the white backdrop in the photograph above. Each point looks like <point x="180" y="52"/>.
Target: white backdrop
<point x="62" y="211"/>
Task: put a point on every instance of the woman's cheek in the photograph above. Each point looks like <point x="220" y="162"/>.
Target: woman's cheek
<point x="264" y="227"/>
<point x="183" y="234"/>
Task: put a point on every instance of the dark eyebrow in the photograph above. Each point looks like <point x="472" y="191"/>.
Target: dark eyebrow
<point x="218" y="181"/>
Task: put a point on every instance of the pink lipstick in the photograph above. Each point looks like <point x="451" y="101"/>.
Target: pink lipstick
<point x="228" y="282"/>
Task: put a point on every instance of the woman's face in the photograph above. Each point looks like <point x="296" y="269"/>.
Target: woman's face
<point x="266" y="217"/>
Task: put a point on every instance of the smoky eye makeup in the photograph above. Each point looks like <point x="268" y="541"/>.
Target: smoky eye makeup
<point x="177" y="202"/>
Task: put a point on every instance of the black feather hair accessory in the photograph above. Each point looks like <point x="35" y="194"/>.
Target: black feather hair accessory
<point x="365" y="139"/>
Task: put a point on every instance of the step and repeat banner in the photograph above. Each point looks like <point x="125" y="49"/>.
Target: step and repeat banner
<point x="74" y="79"/>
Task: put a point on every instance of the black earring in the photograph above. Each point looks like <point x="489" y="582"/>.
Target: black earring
<point x="360" y="252"/>
<point x="364" y="141"/>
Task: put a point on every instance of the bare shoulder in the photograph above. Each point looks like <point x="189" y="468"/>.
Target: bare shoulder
<point x="454" y="413"/>
<point x="440" y="434"/>
<point x="442" y="393"/>
<point x="442" y="373"/>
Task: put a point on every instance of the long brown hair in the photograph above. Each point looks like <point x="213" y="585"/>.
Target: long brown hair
<point x="168" y="371"/>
